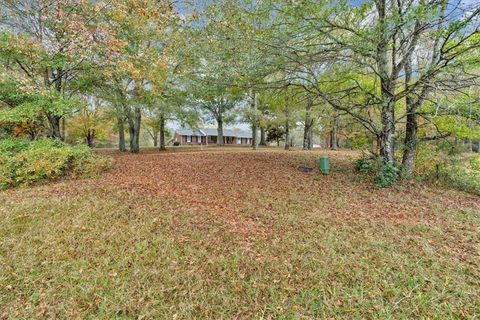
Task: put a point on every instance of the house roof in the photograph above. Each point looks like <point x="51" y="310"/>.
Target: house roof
<point x="214" y="132"/>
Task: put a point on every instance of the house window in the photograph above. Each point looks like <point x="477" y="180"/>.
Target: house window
<point x="189" y="138"/>
<point x="199" y="139"/>
<point x="239" y="140"/>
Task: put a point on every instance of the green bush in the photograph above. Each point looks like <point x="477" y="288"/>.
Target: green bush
<point x="364" y="165"/>
<point x="176" y="143"/>
<point x="24" y="162"/>
<point x="386" y="174"/>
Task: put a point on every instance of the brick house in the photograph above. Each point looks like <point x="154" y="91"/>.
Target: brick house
<point x="209" y="136"/>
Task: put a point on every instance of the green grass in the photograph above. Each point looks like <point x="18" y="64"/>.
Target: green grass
<point x="109" y="255"/>
<point x="93" y="253"/>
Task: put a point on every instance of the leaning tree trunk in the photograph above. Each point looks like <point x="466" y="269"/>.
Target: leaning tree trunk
<point x="162" y="133"/>
<point x="410" y="142"/>
<point x="121" y="133"/>
<point x="220" y="141"/>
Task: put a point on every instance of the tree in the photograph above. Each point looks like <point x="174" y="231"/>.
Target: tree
<point x="25" y="109"/>
<point x="134" y="75"/>
<point x="227" y="53"/>
<point x="90" y="121"/>
<point x="220" y="106"/>
<point x="51" y="43"/>
<point x="355" y="56"/>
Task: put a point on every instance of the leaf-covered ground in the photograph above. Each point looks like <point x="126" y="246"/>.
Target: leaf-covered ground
<point x="237" y="234"/>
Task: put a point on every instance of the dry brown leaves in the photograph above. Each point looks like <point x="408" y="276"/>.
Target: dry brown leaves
<point x="232" y="183"/>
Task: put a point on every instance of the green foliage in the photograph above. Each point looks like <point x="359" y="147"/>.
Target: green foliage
<point x="360" y="142"/>
<point x="386" y="173"/>
<point x="25" y="162"/>
<point x="428" y="157"/>
<point x="176" y="143"/>
<point x="456" y="174"/>
<point x="364" y="165"/>
<point x="24" y="104"/>
<point x="475" y="163"/>
<point x="440" y="163"/>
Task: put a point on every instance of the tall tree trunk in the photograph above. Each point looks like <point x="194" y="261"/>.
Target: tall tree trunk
<point x="263" y="141"/>
<point x="137" y="119"/>
<point x="310" y="138"/>
<point x="307" y="129"/>
<point x="410" y="141"/>
<point x="287" y="134"/>
<point x="121" y="133"/>
<point x="334" y="135"/>
<point x="134" y="130"/>
<point x="387" y="136"/>
<point x="162" y="133"/>
<point x="155" y="138"/>
<point x="254" y="119"/>
<point x="55" y="120"/>
<point x="131" y="132"/>
<point x="306" y="137"/>
<point x="220" y="141"/>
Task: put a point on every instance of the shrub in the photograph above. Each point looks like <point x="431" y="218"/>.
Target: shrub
<point x="386" y="174"/>
<point x="364" y="165"/>
<point x="24" y="162"/>
<point x="176" y="143"/>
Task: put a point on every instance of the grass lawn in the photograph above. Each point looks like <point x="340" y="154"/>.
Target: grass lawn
<point x="237" y="234"/>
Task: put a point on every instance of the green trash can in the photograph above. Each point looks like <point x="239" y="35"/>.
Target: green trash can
<point x="324" y="164"/>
